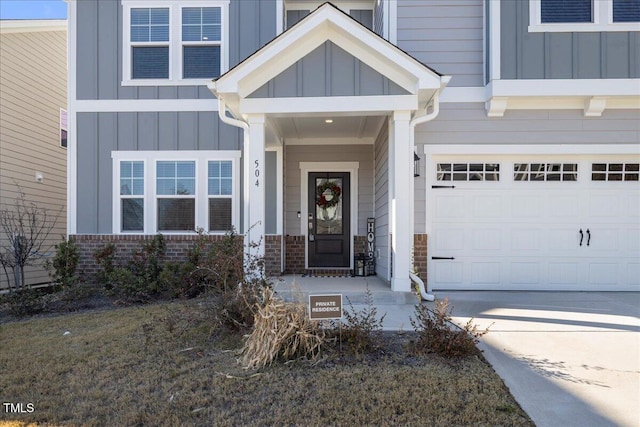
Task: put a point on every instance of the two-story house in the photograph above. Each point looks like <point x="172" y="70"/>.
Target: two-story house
<point x="504" y="133"/>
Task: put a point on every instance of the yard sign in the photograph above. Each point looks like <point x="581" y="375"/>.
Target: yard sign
<point x="325" y="307"/>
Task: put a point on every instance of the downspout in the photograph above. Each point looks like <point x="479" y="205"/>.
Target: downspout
<point x="222" y="113"/>
<point x="425" y="293"/>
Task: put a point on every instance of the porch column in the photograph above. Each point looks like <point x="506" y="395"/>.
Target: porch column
<point x="401" y="227"/>
<point x="254" y="176"/>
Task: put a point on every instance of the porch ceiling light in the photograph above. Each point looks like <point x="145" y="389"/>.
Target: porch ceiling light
<point x="328" y="121"/>
<point x="416" y="165"/>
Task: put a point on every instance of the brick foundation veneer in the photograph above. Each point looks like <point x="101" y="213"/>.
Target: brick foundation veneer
<point x="177" y="248"/>
<point x="272" y="255"/>
<point x="420" y="255"/>
<point x="294" y="254"/>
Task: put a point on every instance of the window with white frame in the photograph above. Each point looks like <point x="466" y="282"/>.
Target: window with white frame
<point x="584" y="15"/>
<point x="132" y="196"/>
<point x="63" y="128"/>
<point x="174" y="42"/>
<point x="176" y="191"/>
<point x="220" y="190"/>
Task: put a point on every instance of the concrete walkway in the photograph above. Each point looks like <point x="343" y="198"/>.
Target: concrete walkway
<point x="569" y="358"/>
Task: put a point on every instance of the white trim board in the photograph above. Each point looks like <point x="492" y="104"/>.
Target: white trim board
<point x="329" y="104"/>
<point x="528" y="149"/>
<point x="145" y="105"/>
<point x="602" y="16"/>
<point x="305" y="168"/>
<point x="150" y="197"/>
<point x="72" y="140"/>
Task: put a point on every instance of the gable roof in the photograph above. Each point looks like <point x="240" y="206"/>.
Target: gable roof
<point x="328" y="23"/>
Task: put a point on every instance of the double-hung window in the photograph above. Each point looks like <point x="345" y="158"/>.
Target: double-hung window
<point x="176" y="191"/>
<point x="584" y="15"/>
<point x="149" y="43"/>
<point x="220" y="192"/>
<point x="174" y="42"/>
<point x="131" y="210"/>
<point x="201" y="35"/>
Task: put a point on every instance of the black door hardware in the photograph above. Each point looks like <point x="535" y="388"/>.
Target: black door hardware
<point x="588" y="237"/>
<point x="443" y="186"/>
<point x="581" y="236"/>
<point x="442" y="257"/>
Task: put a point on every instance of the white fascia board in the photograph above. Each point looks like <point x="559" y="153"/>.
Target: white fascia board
<point x="330" y="141"/>
<point x="327" y="24"/>
<point x="565" y="87"/>
<point x="32" y="25"/>
<point x="268" y="63"/>
<point x="72" y="140"/>
<point x="144" y="105"/>
<point x="329" y="104"/>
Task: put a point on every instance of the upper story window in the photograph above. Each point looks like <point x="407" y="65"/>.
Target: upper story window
<point x="173" y="42"/>
<point x="149" y="43"/>
<point x="360" y="10"/>
<point x="562" y="11"/>
<point x="584" y="15"/>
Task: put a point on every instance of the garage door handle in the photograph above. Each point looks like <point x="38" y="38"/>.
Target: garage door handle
<point x="588" y="237"/>
<point x="443" y="186"/>
<point x="442" y="257"/>
<point x="581" y="236"/>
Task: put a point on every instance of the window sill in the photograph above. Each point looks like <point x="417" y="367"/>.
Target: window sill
<point x="584" y="27"/>
<point x="166" y="82"/>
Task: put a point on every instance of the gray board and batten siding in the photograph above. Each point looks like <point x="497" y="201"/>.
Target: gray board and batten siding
<point x="294" y="154"/>
<point x="328" y="70"/>
<point x="101" y="133"/>
<point x="467" y="123"/>
<point x="99" y="49"/>
<point x="578" y="55"/>
<point x="445" y="35"/>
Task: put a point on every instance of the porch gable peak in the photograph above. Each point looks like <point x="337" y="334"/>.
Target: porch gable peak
<point x="327" y="24"/>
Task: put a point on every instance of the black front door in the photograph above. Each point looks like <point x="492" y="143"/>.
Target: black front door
<point x="329" y="234"/>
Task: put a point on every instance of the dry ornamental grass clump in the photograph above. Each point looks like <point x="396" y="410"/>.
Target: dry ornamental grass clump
<point x="281" y="329"/>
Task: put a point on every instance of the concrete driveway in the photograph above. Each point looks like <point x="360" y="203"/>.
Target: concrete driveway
<point x="569" y="358"/>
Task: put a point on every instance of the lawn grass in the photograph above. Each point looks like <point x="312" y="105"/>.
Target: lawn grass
<point x="160" y="365"/>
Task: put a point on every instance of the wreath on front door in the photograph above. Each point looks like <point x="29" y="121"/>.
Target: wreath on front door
<point x="328" y="195"/>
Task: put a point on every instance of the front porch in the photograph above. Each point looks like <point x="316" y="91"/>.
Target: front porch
<point x="328" y="111"/>
<point x="298" y="288"/>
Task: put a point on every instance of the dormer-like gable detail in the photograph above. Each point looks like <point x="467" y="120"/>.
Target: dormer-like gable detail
<point x="328" y="71"/>
<point x="329" y="28"/>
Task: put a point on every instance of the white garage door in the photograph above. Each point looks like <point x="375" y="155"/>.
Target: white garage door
<point x="534" y="223"/>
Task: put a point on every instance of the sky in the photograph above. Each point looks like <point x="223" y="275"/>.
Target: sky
<point x="33" y="9"/>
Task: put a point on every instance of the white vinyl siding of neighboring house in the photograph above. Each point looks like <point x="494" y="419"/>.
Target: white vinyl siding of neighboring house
<point x="30" y="125"/>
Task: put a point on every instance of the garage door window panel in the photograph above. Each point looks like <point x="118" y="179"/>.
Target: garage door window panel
<point x="615" y="171"/>
<point x="545" y="172"/>
<point x="468" y="172"/>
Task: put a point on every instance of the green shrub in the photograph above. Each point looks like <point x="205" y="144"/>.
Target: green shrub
<point x="140" y="279"/>
<point x="105" y="258"/>
<point x="438" y="334"/>
<point x="24" y="302"/>
<point x="360" y="328"/>
<point x="64" y="264"/>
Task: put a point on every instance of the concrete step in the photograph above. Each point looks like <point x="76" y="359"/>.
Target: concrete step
<point x="355" y="297"/>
